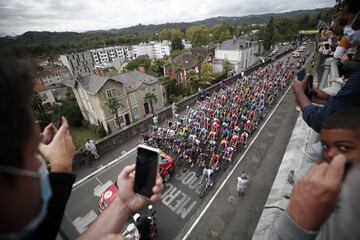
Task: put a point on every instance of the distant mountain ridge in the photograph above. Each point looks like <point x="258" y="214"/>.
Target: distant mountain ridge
<point x="33" y="37"/>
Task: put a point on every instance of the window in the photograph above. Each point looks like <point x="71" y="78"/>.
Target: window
<point x="110" y="93"/>
<point x="136" y="111"/>
<point x="132" y="99"/>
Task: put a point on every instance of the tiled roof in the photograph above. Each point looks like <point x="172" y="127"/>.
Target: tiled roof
<point x="39" y="87"/>
<point x="188" y="59"/>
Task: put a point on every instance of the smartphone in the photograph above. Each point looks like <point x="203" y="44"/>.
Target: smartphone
<point x="309" y="88"/>
<point x="57" y="114"/>
<point x="146" y="170"/>
<point x="327" y="46"/>
<point x="301" y="74"/>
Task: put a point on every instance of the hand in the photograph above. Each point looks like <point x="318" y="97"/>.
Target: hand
<point x="319" y="96"/>
<point x="126" y="193"/>
<point x="315" y="195"/>
<point x="48" y="134"/>
<point x="300" y="86"/>
<point x="60" y="151"/>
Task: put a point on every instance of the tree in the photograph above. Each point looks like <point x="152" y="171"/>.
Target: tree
<point x="134" y="64"/>
<point x="193" y="78"/>
<point x="220" y="32"/>
<point x="176" y="44"/>
<point x="169" y="85"/>
<point x="207" y="74"/>
<point x="178" y="69"/>
<point x="227" y="67"/>
<point x="149" y="98"/>
<point x="114" y="104"/>
<point x="198" y="35"/>
<point x="72" y="112"/>
<point x="199" y="60"/>
<point x="171" y="34"/>
<point x="157" y="67"/>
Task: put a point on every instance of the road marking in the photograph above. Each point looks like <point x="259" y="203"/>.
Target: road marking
<point x="82" y="223"/>
<point x="232" y="170"/>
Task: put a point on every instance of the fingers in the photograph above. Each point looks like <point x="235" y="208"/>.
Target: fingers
<point x="127" y="170"/>
<point x="335" y="171"/>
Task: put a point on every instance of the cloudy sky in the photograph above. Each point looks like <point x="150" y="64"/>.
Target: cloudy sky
<point x="19" y="16"/>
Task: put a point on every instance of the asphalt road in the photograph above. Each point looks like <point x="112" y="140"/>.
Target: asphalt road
<point x="180" y="205"/>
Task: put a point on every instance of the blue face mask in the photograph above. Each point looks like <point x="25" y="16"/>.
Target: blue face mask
<point x="46" y="194"/>
<point x="351" y="34"/>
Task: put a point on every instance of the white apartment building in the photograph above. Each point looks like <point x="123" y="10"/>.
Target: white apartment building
<point x="109" y="54"/>
<point x="240" y="52"/>
<point x="155" y="50"/>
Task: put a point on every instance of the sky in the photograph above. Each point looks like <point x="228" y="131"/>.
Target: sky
<point x="19" y="16"/>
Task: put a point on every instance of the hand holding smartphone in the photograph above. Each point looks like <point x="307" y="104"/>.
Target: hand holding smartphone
<point x="309" y="89"/>
<point x="146" y="170"/>
<point x="57" y="114"/>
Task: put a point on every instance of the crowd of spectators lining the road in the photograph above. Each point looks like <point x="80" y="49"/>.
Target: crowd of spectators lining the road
<point x="324" y="203"/>
<point x="36" y="168"/>
<point x="208" y="135"/>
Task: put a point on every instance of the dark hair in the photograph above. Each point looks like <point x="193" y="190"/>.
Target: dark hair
<point x="346" y="118"/>
<point x="15" y="109"/>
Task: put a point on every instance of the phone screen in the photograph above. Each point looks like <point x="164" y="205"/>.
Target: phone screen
<point x="57" y="113"/>
<point x="145" y="171"/>
<point x="327" y="46"/>
<point x="301" y="74"/>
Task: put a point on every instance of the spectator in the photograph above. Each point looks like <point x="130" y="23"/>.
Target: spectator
<point x="306" y="213"/>
<point x="91" y="147"/>
<point x="242" y="182"/>
<point x="35" y="198"/>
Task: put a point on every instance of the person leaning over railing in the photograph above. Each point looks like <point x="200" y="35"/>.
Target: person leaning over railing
<point x="348" y="95"/>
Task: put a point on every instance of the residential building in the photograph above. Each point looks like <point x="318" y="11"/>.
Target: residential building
<point x="45" y="93"/>
<point x="187" y="44"/>
<point x="109" y="54"/>
<point x="79" y="64"/>
<point x="241" y="52"/>
<point x="52" y="74"/>
<point x="155" y="50"/>
<point x="92" y="93"/>
<point x="187" y="61"/>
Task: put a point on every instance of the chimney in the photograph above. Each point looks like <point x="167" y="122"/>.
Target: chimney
<point x="141" y="68"/>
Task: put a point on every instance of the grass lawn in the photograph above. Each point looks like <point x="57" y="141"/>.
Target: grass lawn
<point x="80" y="134"/>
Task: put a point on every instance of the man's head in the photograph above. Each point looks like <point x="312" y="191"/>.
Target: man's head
<point x="341" y="134"/>
<point x="19" y="144"/>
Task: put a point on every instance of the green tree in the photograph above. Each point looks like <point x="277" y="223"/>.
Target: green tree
<point x="171" y="34"/>
<point x="149" y="98"/>
<point x="178" y="69"/>
<point x="227" y="67"/>
<point x="176" y="44"/>
<point x="134" y="64"/>
<point x="157" y="67"/>
<point x="114" y="104"/>
<point x="220" y="32"/>
<point x="193" y="79"/>
<point x="72" y="112"/>
<point x="198" y="35"/>
<point x="207" y="75"/>
<point x="169" y="85"/>
<point x="199" y="61"/>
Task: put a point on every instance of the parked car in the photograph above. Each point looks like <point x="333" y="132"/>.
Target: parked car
<point x="296" y="54"/>
<point x="166" y="169"/>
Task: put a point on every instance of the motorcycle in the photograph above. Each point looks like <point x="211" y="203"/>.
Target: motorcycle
<point x="143" y="228"/>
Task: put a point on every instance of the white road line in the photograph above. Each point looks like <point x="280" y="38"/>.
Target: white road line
<point x="116" y="160"/>
<point x="232" y="171"/>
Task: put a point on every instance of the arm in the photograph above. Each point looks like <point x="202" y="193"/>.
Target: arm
<point x="312" y="201"/>
<point x="298" y="88"/>
<point x="126" y="203"/>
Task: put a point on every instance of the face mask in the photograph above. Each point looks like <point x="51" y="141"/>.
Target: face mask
<point x="46" y="194"/>
<point x="351" y="34"/>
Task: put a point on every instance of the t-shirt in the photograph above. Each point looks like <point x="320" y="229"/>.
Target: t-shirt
<point x="241" y="183"/>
